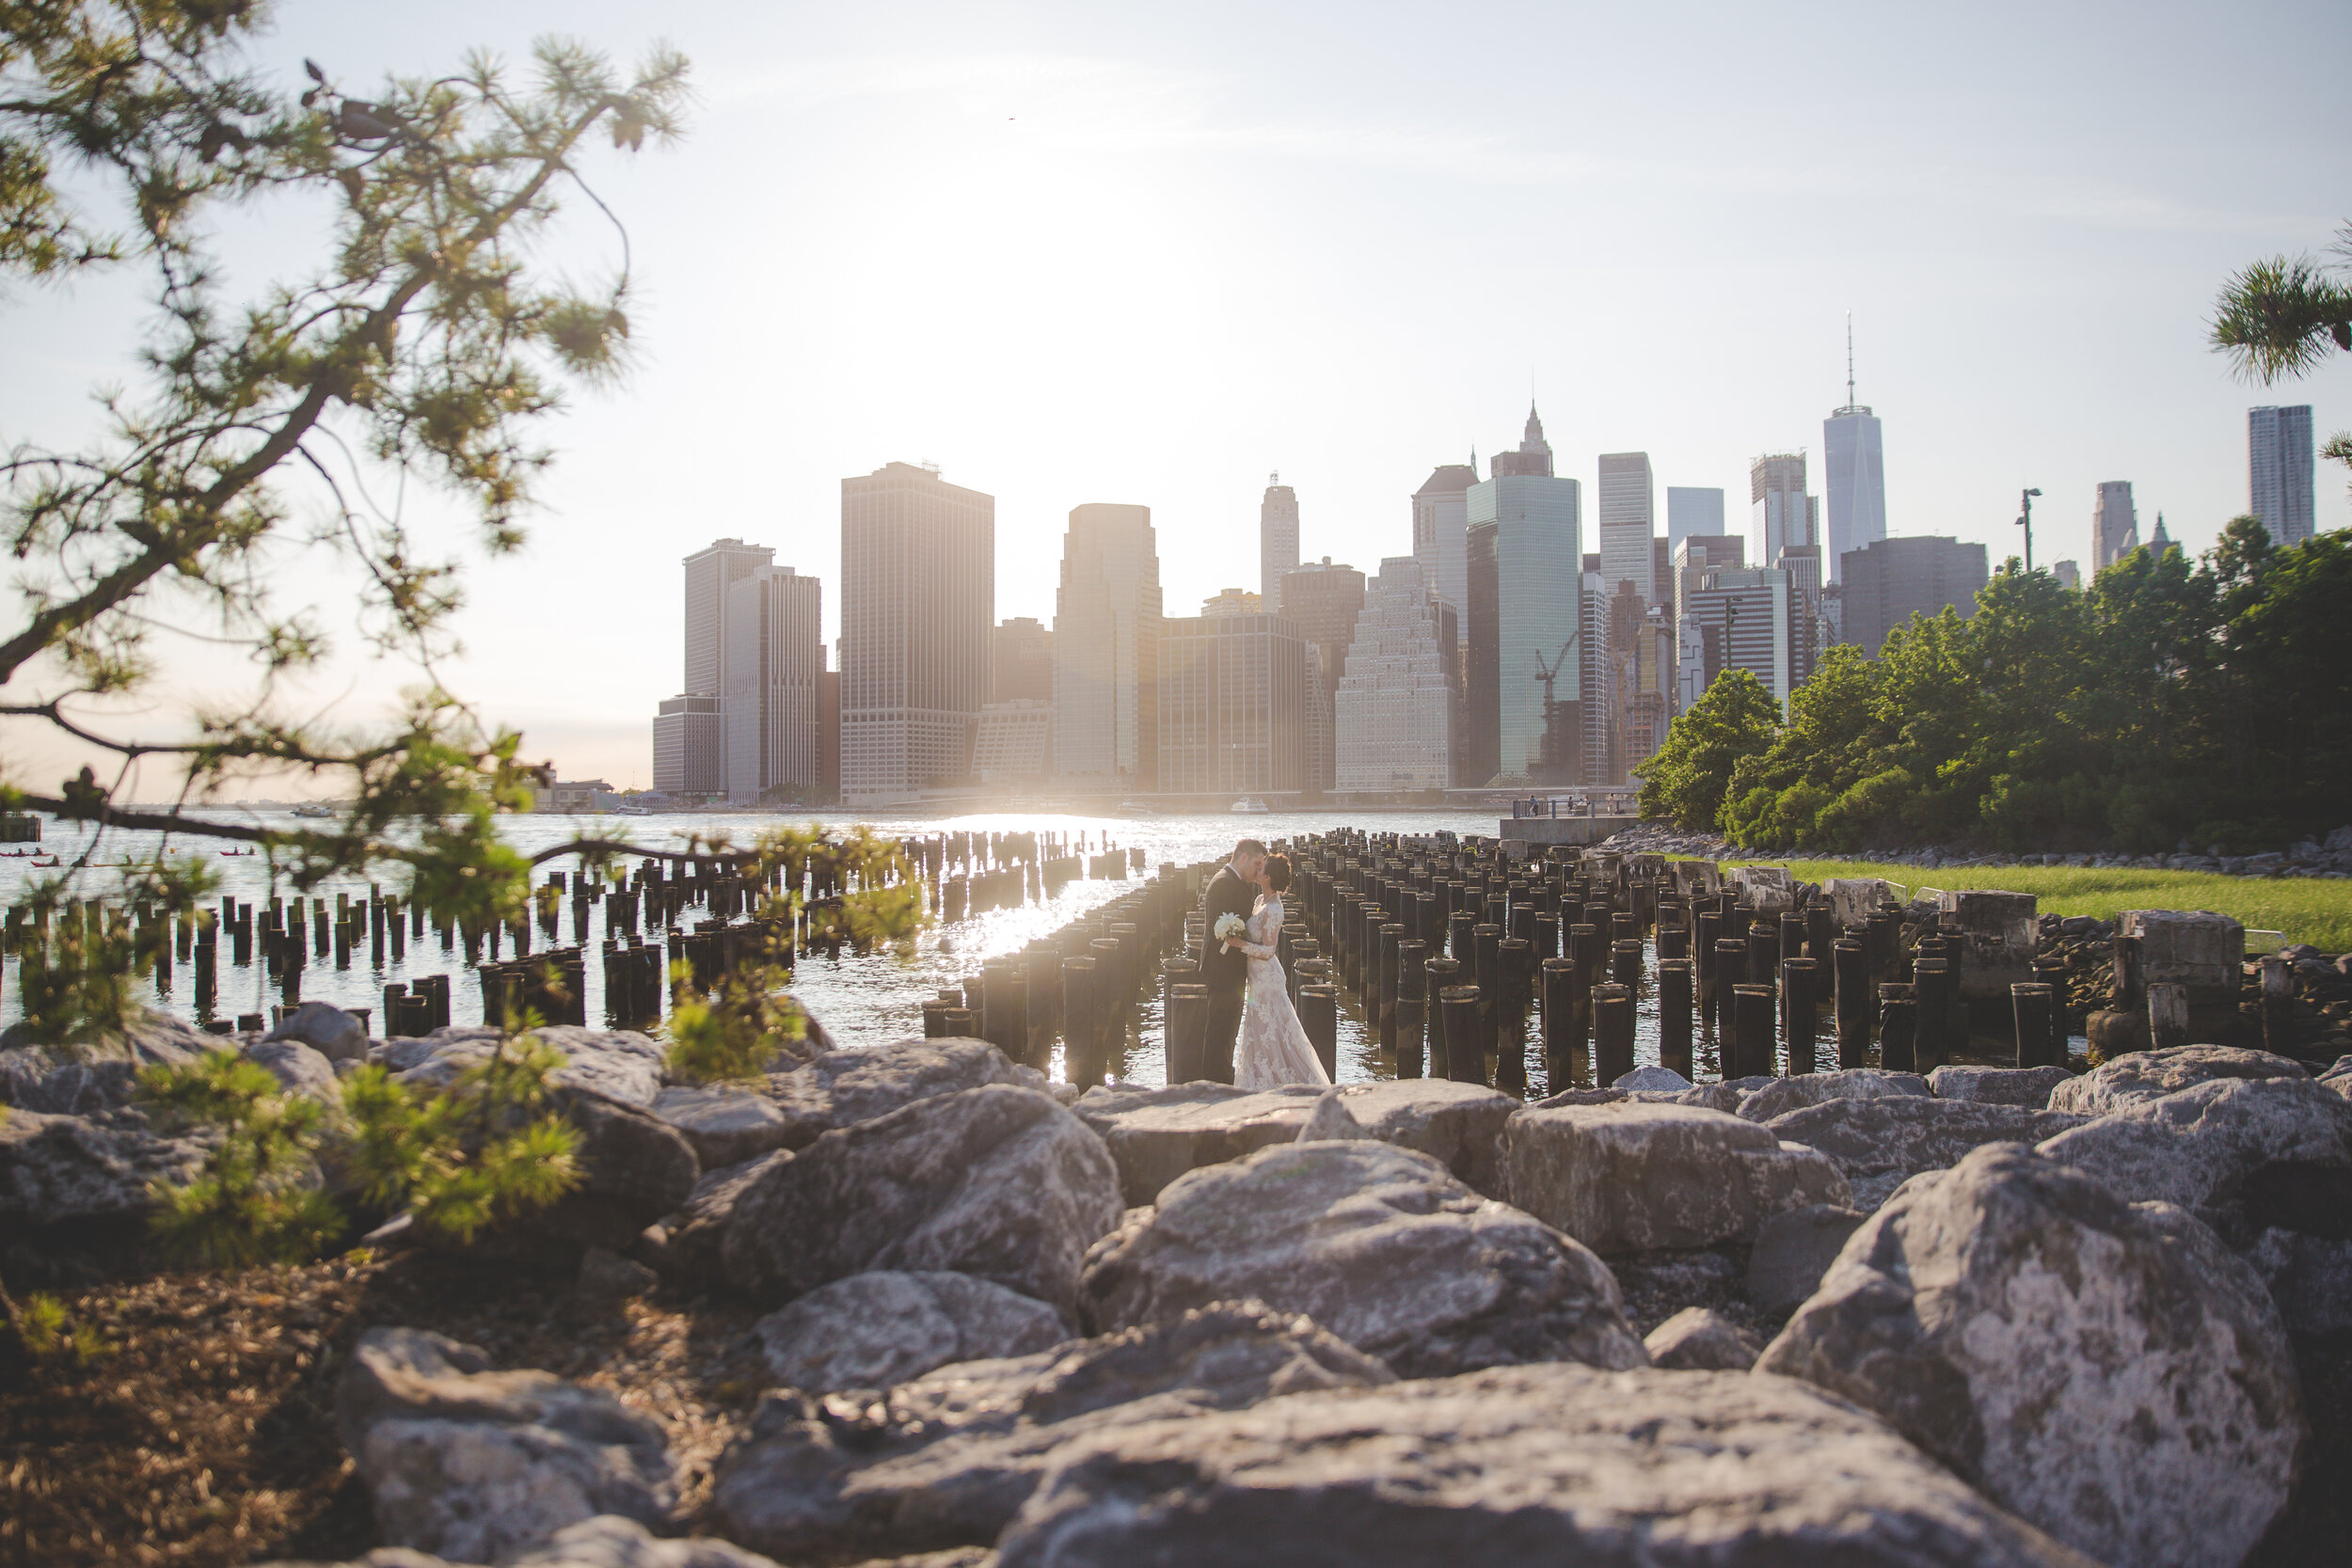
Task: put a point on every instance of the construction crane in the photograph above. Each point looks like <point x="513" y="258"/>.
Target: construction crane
<point x="1557" y="751"/>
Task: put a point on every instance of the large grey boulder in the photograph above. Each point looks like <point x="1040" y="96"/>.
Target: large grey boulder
<point x="2144" y="1075"/>
<point x="840" y="1089"/>
<point x="1783" y="1094"/>
<point x="1635" y="1177"/>
<point x="476" y="1465"/>
<point x="146" y="1036"/>
<point x="1793" y="1251"/>
<point x="1651" y="1078"/>
<point x="2030" y="1086"/>
<point x="950" y="1458"/>
<point x="606" y="1541"/>
<point x="1700" y="1340"/>
<point x="634" y="1169"/>
<point x="299" y="1068"/>
<point x="619" y="1064"/>
<point x="1158" y="1134"/>
<point x="1880" y="1144"/>
<point x="71" y="1186"/>
<point x="1521" y="1465"/>
<point x="2110" y="1372"/>
<point x="726" y="1124"/>
<point x="997" y="1182"/>
<point x="97" y="1074"/>
<point x="688" y="1246"/>
<point x="1379" y="1245"/>
<point x="874" y="1330"/>
<point x="325" y="1028"/>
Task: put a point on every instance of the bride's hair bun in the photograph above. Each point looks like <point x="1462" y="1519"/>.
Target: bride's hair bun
<point x="1278" y="872"/>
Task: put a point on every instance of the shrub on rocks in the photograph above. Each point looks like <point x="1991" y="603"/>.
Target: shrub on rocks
<point x="1520" y="1464"/>
<point x="874" y="1330"/>
<point x="1634" y="1177"/>
<point x="1379" y="1245"/>
<point x="997" y="1182"/>
<point x="947" y="1460"/>
<point x="2107" y="1370"/>
<point x="477" y="1466"/>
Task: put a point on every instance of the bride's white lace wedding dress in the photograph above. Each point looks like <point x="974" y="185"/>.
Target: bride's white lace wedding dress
<point x="1274" y="1049"/>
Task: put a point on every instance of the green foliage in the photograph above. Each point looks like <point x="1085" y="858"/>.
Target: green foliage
<point x="48" y="1332"/>
<point x="733" y="1034"/>
<point x="485" y="1148"/>
<point x="2210" y="702"/>
<point x="1685" y="782"/>
<point x="2279" y="317"/>
<point x="257" y="1199"/>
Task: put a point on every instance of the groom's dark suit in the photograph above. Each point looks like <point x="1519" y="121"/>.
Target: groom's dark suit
<point x="1224" y="971"/>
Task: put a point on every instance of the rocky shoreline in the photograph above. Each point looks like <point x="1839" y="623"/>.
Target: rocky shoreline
<point x="2329" y="859"/>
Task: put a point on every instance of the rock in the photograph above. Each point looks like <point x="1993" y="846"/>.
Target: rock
<point x="619" y="1064"/>
<point x="1520" y="1464"/>
<point x="2151" y="1074"/>
<point x="948" y="1459"/>
<point x="2339" y="1077"/>
<point x="2105" y="1370"/>
<point x="997" y="1182"/>
<point x="325" y="1028"/>
<point x="2030" y="1086"/>
<point x="1632" y="1178"/>
<point x="688" y="1245"/>
<point x="634" y="1169"/>
<point x="2244" y="1154"/>
<point x="2310" y="1278"/>
<point x="2115" y="1034"/>
<point x="1379" y="1245"/>
<point x="1879" y="1144"/>
<point x="75" y="1187"/>
<point x="1659" y="1078"/>
<point x="841" y="1088"/>
<point x="1793" y="1251"/>
<point x="606" y="1279"/>
<point x="147" y="1037"/>
<point x="1698" y="1341"/>
<point x="476" y="1465"/>
<point x="1656" y="1285"/>
<point x="1156" y="1135"/>
<point x="1781" y="1096"/>
<point x="299" y="1068"/>
<point x="725" y="1125"/>
<point x="98" y="1074"/>
<point x="1329" y="1119"/>
<point x="875" y="1330"/>
<point x="613" y="1541"/>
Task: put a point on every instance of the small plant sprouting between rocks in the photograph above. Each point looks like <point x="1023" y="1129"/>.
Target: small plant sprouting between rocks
<point x="485" y="1148"/>
<point x="733" y="1034"/>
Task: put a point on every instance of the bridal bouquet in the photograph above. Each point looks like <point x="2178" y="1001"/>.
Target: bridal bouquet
<point x="1229" y="928"/>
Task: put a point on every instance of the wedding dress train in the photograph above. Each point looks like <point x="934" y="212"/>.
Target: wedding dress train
<point x="1274" y="1047"/>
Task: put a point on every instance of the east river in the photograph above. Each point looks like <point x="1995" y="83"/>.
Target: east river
<point x="860" y="998"/>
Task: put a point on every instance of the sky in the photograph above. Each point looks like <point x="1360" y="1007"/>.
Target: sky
<point x="1076" y="253"/>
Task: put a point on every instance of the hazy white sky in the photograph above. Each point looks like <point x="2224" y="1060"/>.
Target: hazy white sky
<point x="1087" y="253"/>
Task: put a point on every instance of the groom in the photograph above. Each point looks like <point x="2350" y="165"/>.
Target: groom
<point x="1225" y="971"/>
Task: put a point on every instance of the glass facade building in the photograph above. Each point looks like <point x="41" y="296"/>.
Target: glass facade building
<point x="1527" y="532"/>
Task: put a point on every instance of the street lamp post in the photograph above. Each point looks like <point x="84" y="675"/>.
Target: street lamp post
<point x="2024" y="520"/>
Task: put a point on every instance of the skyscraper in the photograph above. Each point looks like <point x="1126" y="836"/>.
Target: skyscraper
<point x="1524" y="544"/>
<point x="1781" y="513"/>
<point x="1233" y="705"/>
<point x="775" y="659"/>
<point x="918" y="601"/>
<point x="2114" y="524"/>
<point x="710" y="572"/>
<point x="1689" y="510"/>
<point x="688" y="746"/>
<point x="1106" y="648"/>
<point x="1021" y="661"/>
<point x="1892" y="579"/>
<point x="1393" y="709"/>
<point x="1278" y="537"/>
<point x="1440" y="514"/>
<point x="1745" y="617"/>
<point x="1857" y="474"/>
<point x="1322" y="601"/>
<point x="2278" y="465"/>
<point x="1624" y="508"/>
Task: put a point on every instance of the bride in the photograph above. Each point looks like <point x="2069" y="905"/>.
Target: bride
<point x="1274" y="1047"/>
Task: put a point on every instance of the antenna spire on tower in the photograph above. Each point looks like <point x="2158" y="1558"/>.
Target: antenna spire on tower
<point x="1850" y="358"/>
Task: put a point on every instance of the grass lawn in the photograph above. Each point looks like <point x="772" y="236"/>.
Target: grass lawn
<point x="2319" y="913"/>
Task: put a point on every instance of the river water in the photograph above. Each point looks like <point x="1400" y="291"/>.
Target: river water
<point x="861" y="999"/>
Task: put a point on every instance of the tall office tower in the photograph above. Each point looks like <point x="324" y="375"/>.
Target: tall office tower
<point x="1232" y="601"/>
<point x="1014" y="744"/>
<point x="1478" y="739"/>
<point x="1623" y="506"/>
<point x="710" y="572"/>
<point x="1782" y="513"/>
<point x="1694" y="556"/>
<point x="1857" y="474"/>
<point x="918" y="601"/>
<point x="1533" y="460"/>
<point x="775" y="658"/>
<point x="1441" y="513"/>
<point x="1322" y="601"/>
<point x="1636" y="672"/>
<point x="1802" y="563"/>
<point x="2278" y="463"/>
<point x="1524" y="544"/>
<point x="1394" y="711"/>
<point x="1233" y="705"/>
<point x="1892" y="579"/>
<point x="2113" y="525"/>
<point x="1595" y="761"/>
<point x="1278" y="537"/>
<point x="829" y="732"/>
<point x="1106" y="648"/>
<point x="1021" y="661"/>
<point x="688" y="746"/>
<point x="1691" y="511"/>
<point x="1743" y="616"/>
<point x="2068" y="574"/>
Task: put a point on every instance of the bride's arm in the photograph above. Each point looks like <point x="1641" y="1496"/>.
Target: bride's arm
<point x="1256" y="950"/>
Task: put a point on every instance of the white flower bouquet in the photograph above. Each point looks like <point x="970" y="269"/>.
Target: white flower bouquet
<point x="1229" y="928"/>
